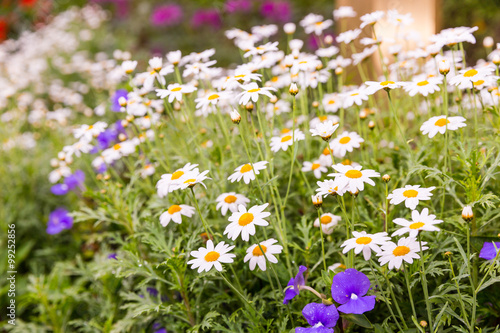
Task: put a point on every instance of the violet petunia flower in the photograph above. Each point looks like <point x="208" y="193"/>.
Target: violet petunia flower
<point x="59" y="220"/>
<point x="489" y="250"/>
<point x="70" y="183"/>
<point x="321" y="317"/>
<point x="115" y="105"/>
<point x="293" y="285"/>
<point x="349" y="289"/>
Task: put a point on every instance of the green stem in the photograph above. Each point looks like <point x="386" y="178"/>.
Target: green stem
<point x="428" y="305"/>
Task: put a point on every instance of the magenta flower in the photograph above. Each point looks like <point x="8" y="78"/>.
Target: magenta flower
<point x="233" y="6"/>
<point x="206" y="17"/>
<point x="349" y="289"/>
<point x="279" y="11"/>
<point x="166" y="15"/>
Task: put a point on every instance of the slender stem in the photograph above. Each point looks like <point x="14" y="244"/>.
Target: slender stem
<point x="424" y="284"/>
<point x="405" y="271"/>
<point x="322" y="240"/>
<point x="462" y="305"/>
<point x="398" y="309"/>
<point x="205" y="224"/>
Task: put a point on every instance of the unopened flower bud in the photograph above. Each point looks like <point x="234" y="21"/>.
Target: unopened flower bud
<point x="61" y="155"/>
<point x="447" y="253"/>
<point x="444" y="67"/>
<point x="235" y="116"/>
<point x="317" y="201"/>
<point x="423" y="323"/>
<point x="124" y="123"/>
<point x="496" y="59"/>
<point x="339" y="71"/>
<point x="122" y="137"/>
<point x="122" y="101"/>
<point x="488" y="42"/>
<point x="467" y="214"/>
<point x="177" y="106"/>
<point x="54" y="162"/>
<point x="363" y="114"/>
<point x="294" y="90"/>
<point x="273" y="99"/>
<point x="249" y="106"/>
<point x="328" y="39"/>
<point x="288" y="61"/>
<point x="386" y="178"/>
<point x="289" y="28"/>
<point x="129" y="118"/>
<point x="371" y="124"/>
<point x="315" y="104"/>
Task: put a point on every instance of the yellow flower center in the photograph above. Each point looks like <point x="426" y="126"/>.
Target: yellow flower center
<point x="174" y="209"/>
<point x="441" y="122"/>
<point x="245" y="219"/>
<point x="355" y="94"/>
<point x="177" y="174"/>
<point x="239" y="76"/>
<point x="230" y="199"/>
<point x="212" y="97"/>
<point x="401" y="251"/>
<point x="344" y="140"/>
<point x="285" y="130"/>
<point x="319" y="23"/>
<point x="410" y="193"/>
<point x="331" y="101"/>
<point x="212" y="256"/>
<point x="274" y="79"/>
<point x="315" y="166"/>
<point x="353" y="174"/>
<point x="417" y="225"/>
<point x="323" y="118"/>
<point x="470" y="73"/>
<point x="254" y="90"/>
<point x="346" y="162"/>
<point x="423" y="83"/>
<point x="176" y="89"/>
<point x="478" y="82"/>
<point x="326" y="151"/>
<point x="246" y="168"/>
<point x="325" y="219"/>
<point x="117" y="146"/>
<point x="286" y="138"/>
<point x="90" y="127"/>
<point x="385" y="83"/>
<point x="363" y="240"/>
<point x="190" y="181"/>
<point x="258" y="252"/>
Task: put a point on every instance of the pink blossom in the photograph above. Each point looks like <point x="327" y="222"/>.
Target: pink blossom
<point x="206" y="17"/>
<point x="166" y="15"/>
<point x="276" y="10"/>
<point x="232" y="6"/>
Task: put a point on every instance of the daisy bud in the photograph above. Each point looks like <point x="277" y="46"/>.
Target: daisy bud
<point x="177" y="106"/>
<point x="295" y="54"/>
<point x="293" y="89"/>
<point x="386" y="178"/>
<point x="122" y="101"/>
<point x="68" y="160"/>
<point x="249" y="106"/>
<point x="129" y="66"/>
<point x="122" y="137"/>
<point x="317" y="201"/>
<point x="129" y="118"/>
<point x="496" y="59"/>
<point x="99" y="176"/>
<point x="371" y="124"/>
<point x="315" y="104"/>
<point x="363" y="114"/>
<point x="447" y="253"/>
<point x="288" y="60"/>
<point x="273" y="99"/>
<point x="54" y="162"/>
<point x="423" y="323"/>
<point x="235" y="117"/>
<point x="107" y="177"/>
<point x="328" y="40"/>
<point x="467" y="214"/>
<point x="444" y="67"/>
<point x="174" y="57"/>
<point x="289" y="28"/>
<point x="61" y="155"/>
<point x="124" y="123"/>
<point x="203" y="130"/>
<point x="339" y="71"/>
<point x="488" y="42"/>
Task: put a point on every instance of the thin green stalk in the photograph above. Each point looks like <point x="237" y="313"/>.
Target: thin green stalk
<point x="205" y="224"/>
<point x="322" y="239"/>
<point x="407" y="279"/>
<point x="462" y="305"/>
<point x="428" y="305"/>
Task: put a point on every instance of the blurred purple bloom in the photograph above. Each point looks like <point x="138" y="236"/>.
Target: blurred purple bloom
<point x="295" y="282"/>
<point x="152" y="291"/>
<point x="166" y="15"/>
<point x="488" y="251"/>
<point x="206" y="17"/>
<point x="321" y="317"/>
<point x="232" y="6"/>
<point x="107" y="138"/>
<point x="101" y="168"/>
<point x="115" y="106"/>
<point x="112" y="256"/>
<point x="158" y="329"/>
<point x="59" y="220"/>
<point x="70" y="183"/>
<point x="279" y="11"/>
<point x="120" y="5"/>
<point x="349" y="289"/>
<point x="313" y="41"/>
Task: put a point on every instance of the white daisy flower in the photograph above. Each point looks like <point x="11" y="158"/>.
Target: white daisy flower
<point x="315" y="167"/>
<point x="56" y="174"/>
<point x="230" y="201"/>
<point x="268" y="47"/>
<point x="328" y="222"/>
<point x="323" y="119"/>
<point x="374" y="86"/>
<point x="192" y="178"/>
<point x="208" y="100"/>
<point x="371" y="18"/>
<point x="327" y="187"/>
<point x="128" y="66"/>
<point x="344" y="143"/>
<point x="407" y="249"/>
<point x="148" y="170"/>
<point x="286" y="140"/>
<point x="423" y="87"/>
<point x="348" y="36"/>
<point x="174" y="213"/>
<point x="325" y="159"/>
<point x="466" y="77"/>
<point x="252" y="92"/>
<point x="332" y="102"/>
<point x="356" y="96"/>
<point x="325" y="130"/>
<point x="397" y="19"/>
<point x="440" y="124"/>
<point x="258" y="254"/>
<point x="411" y="195"/>
<point x="206" y="258"/>
<point x="174" y="91"/>
<point x="318" y="27"/>
<point x="77" y="148"/>
<point x="244" y="221"/>
<point x="170" y="182"/>
<point x="343" y="12"/>
<point x="246" y="172"/>
<point x="420" y="221"/>
<point x="87" y="132"/>
<point x="366" y="243"/>
<point x="352" y="179"/>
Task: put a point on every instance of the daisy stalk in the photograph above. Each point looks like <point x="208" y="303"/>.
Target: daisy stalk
<point x="398" y="309"/>
<point x="205" y="225"/>
<point x="396" y="119"/>
<point x="322" y="239"/>
<point x="428" y="305"/>
<point x="384" y="68"/>
<point x="445" y="106"/>
<point x="462" y="305"/>
<point x="405" y="272"/>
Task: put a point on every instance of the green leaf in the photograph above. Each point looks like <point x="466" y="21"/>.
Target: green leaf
<point x="358" y="319"/>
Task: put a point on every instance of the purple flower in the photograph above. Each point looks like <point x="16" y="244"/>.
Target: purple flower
<point x="121" y="6"/>
<point x="321" y="317"/>
<point x="232" y="6"/>
<point x="106" y="138"/>
<point x="70" y="183"/>
<point x="206" y="17"/>
<point x="112" y="256"/>
<point x="158" y="329"/>
<point x="115" y="106"/>
<point x="276" y="10"/>
<point x="167" y="15"/>
<point x="349" y="289"/>
<point x="59" y="220"/>
<point x="489" y="250"/>
<point x="295" y="282"/>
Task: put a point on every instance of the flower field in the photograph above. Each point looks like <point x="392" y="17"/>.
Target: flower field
<point x="349" y="187"/>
